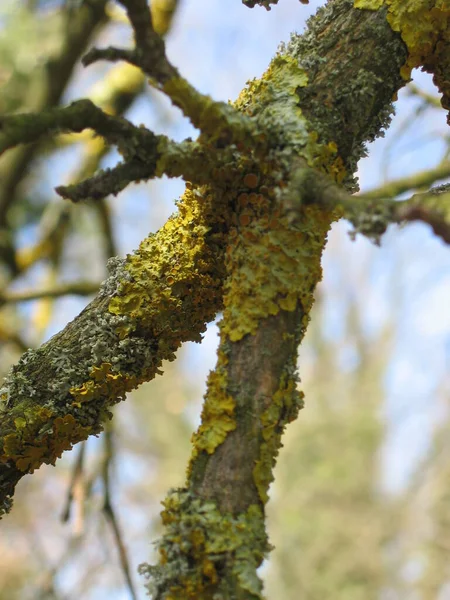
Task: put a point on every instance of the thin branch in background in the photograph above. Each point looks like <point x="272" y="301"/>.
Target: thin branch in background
<point x="108" y="509"/>
<point x="428" y="99"/>
<point x="76" y="491"/>
<point x="218" y="120"/>
<point x="12" y="337"/>
<point x="79" y="288"/>
<point x="47" y="85"/>
<point x="420" y="180"/>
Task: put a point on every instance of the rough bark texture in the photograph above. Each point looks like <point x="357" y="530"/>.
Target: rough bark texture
<point x="352" y="61"/>
<point x="233" y="245"/>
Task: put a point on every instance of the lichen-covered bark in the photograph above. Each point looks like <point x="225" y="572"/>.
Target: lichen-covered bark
<point x="424" y="26"/>
<point x="332" y="91"/>
<point x="158" y="297"/>
<point x="234" y="245"/>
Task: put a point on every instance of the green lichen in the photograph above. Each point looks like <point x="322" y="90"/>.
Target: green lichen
<point x="205" y="553"/>
<point x="217" y="418"/>
<point x="423" y="25"/>
<point x="286" y="403"/>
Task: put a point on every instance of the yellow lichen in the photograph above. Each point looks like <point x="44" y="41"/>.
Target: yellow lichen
<point x="272" y="267"/>
<point x="283" y="409"/>
<point x="172" y="275"/>
<point x="41" y="438"/>
<point x="103" y="384"/>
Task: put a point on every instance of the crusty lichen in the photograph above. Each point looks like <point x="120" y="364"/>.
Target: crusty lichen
<point x="271" y="266"/>
<point x="265" y="252"/>
<point x="286" y="403"/>
<point x="200" y="544"/>
<point x="273" y="100"/>
<point x="173" y="273"/>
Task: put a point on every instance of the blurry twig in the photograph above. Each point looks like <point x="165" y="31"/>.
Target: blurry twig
<point x="12" y="337"/>
<point x="428" y="99"/>
<point x="421" y="179"/>
<point x="79" y="288"/>
<point x="76" y="491"/>
<point x="109" y="512"/>
<point x="46" y="88"/>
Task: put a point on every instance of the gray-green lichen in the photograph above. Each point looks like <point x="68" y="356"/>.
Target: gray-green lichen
<point x="204" y="554"/>
<point x="353" y="74"/>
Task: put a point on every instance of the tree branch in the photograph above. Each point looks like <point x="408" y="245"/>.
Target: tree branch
<point x="217" y="120"/>
<point x="159" y="297"/>
<point x="146" y="154"/>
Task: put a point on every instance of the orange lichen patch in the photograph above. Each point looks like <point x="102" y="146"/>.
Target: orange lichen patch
<point x="251" y="180"/>
<point x="40" y="438"/>
<point x="243" y="199"/>
<point x="244" y="219"/>
<point x="103" y="384"/>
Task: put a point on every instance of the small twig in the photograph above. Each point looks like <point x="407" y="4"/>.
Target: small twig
<point x="421" y="179"/>
<point x="109" y="512"/>
<point x="369" y="215"/>
<point x="77" y="480"/>
<point x="80" y="115"/>
<point x="110" y="181"/>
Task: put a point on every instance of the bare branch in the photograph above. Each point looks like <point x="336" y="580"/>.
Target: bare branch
<point x="109" y="511"/>
<point x="64" y="289"/>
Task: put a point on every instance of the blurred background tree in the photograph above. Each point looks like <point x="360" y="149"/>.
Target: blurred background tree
<point x="361" y="504"/>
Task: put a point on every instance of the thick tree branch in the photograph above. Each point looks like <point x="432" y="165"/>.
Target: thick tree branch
<point x="233" y="245"/>
<point x="161" y="296"/>
<point x="273" y="266"/>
